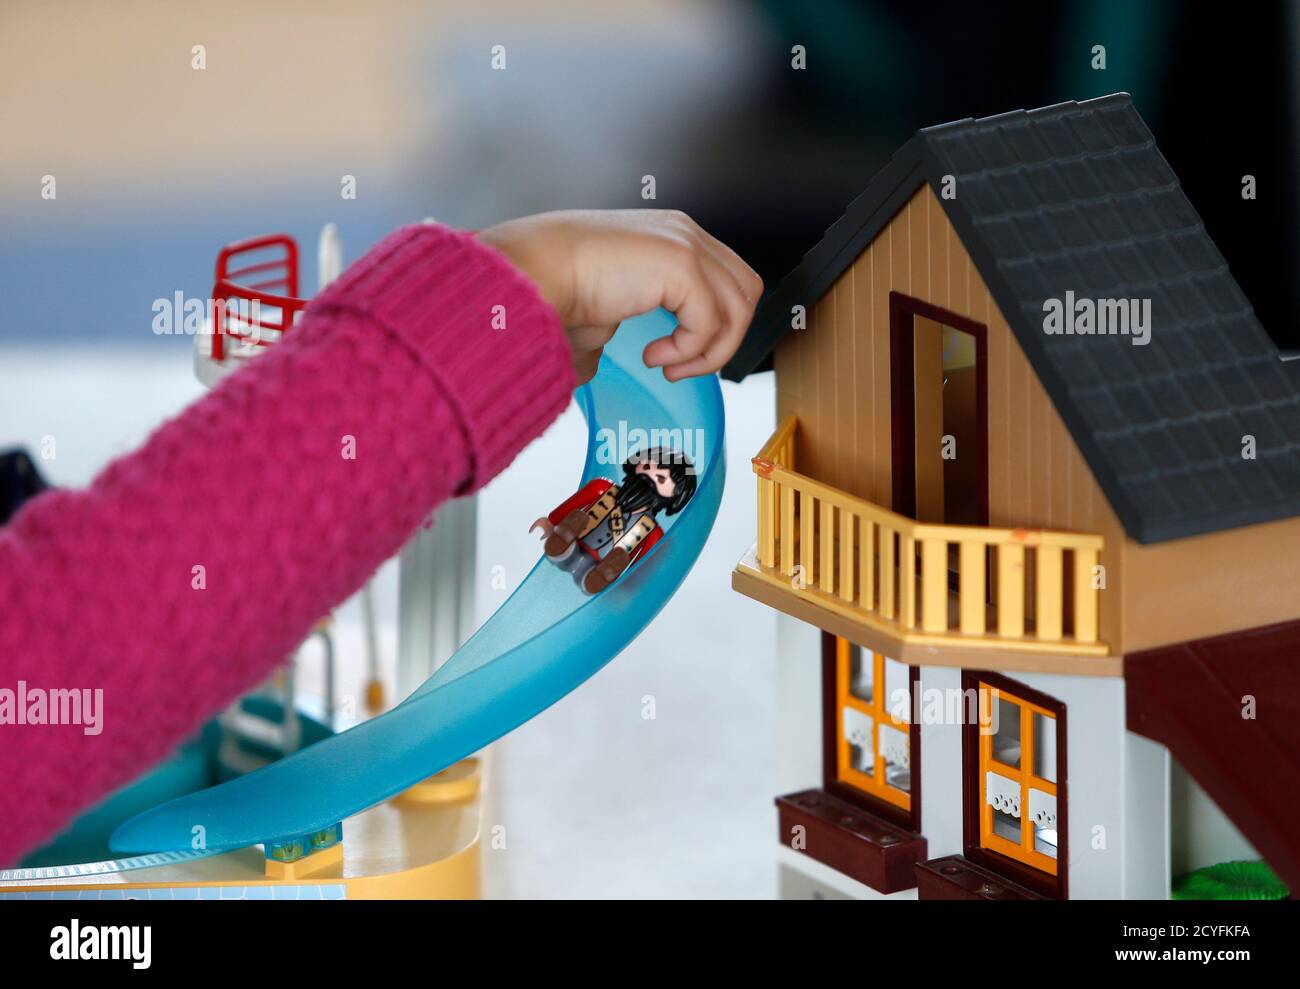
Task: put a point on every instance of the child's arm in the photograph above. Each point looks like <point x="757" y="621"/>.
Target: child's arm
<point x="192" y="567"/>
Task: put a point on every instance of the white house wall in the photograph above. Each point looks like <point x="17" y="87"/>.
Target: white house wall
<point x="1146" y="820"/>
<point x="1118" y="785"/>
<point x="1095" y="763"/>
<point x="1201" y="833"/>
<point x="941" y="769"/>
<point x="799" y="705"/>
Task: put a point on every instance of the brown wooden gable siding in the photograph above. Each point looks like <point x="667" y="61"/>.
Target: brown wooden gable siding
<point x="835" y="376"/>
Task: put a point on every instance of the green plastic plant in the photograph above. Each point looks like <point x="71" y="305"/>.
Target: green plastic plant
<point x="1231" y="881"/>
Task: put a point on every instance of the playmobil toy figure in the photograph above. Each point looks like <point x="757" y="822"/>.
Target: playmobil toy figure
<point x="603" y="529"/>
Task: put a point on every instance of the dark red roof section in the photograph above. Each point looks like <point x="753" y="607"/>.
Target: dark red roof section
<point x="1192" y="697"/>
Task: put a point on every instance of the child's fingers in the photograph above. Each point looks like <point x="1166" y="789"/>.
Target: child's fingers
<point x="688" y="340"/>
<point x="698" y="351"/>
<point x="738" y="299"/>
<point x="590" y="337"/>
<point x="691" y="339"/>
<point x="718" y="352"/>
<point x="688" y="369"/>
<point x="585" y="363"/>
<point x="689" y="292"/>
<point x="751" y="285"/>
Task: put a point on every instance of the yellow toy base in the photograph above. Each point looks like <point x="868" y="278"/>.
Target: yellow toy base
<point x="423" y="844"/>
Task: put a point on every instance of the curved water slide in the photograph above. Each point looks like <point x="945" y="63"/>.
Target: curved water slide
<point x="542" y="643"/>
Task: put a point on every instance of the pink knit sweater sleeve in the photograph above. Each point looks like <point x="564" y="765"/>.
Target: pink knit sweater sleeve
<point x="192" y="567"/>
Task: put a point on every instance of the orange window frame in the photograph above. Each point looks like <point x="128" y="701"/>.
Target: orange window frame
<point x="877" y="710"/>
<point x="1023" y="851"/>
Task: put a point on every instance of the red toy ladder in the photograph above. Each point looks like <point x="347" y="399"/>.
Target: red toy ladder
<point x="260" y="311"/>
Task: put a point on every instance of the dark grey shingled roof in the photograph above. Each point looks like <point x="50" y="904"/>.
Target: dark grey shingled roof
<point x="1077" y="197"/>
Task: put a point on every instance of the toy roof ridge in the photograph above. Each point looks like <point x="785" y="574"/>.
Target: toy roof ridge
<point x="1076" y="197"/>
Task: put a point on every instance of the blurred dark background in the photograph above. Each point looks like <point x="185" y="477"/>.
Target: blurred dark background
<point x="1216" y="83"/>
<point x="159" y="164"/>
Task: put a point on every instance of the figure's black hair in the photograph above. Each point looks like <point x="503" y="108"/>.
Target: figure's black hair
<point x="680" y="469"/>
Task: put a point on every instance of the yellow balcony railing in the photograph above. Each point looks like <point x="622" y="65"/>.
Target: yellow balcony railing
<point x="937" y="584"/>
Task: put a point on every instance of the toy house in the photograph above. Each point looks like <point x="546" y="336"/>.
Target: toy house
<point x="1030" y="521"/>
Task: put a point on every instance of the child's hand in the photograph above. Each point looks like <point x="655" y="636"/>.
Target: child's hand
<point x="598" y="267"/>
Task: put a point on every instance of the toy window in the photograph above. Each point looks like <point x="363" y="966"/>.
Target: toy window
<point x="873" y="738"/>
<point x="1017" y="778"/>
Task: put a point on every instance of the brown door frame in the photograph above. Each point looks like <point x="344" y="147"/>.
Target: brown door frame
<point x="903" y="310"/>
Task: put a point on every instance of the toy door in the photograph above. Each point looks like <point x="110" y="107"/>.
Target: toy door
<point x="940" y="414"/>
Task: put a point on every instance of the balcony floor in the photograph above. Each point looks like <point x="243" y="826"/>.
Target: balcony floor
<point x="828" y="612"/>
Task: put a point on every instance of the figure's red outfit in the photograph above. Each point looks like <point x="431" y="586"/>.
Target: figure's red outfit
<point x="588" y="495"/>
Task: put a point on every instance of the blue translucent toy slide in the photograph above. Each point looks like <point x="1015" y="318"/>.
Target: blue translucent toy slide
<point x="542" y="643"/>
